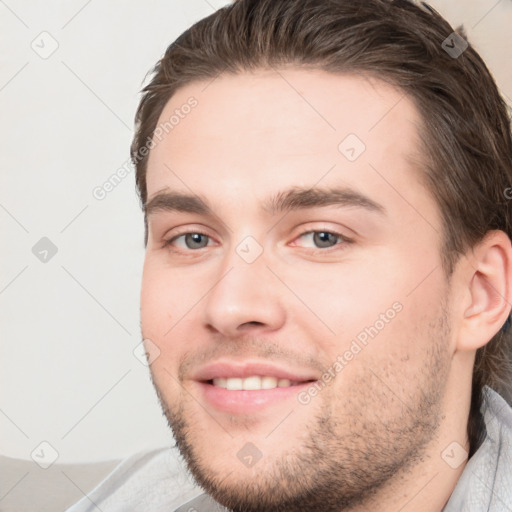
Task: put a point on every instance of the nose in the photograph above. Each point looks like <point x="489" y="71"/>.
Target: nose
<point x="245" y="297"/>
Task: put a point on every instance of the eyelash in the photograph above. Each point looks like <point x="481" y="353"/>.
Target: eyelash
<point x="343" y="240"/>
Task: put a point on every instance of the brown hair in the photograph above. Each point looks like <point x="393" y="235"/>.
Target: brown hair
<point x="465" y="132"/>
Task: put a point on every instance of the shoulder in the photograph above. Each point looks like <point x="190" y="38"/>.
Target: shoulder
<point x="486" y="482"/>
<point x="148" y="480"/>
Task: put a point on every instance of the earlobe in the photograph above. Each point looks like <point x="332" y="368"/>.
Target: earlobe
<point x="490" y="289"/>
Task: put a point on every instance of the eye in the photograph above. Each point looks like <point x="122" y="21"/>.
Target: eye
<point x="197" y="240"/>
<point x="324" y="239"/>
<point x="193" y="240"/>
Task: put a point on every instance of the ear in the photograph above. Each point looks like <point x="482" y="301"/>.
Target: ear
<point x="488" y="282"/>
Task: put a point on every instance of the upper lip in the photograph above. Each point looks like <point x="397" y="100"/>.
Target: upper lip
<point x="247" y="369"/>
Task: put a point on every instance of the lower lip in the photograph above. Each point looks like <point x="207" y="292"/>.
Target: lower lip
<point x="245" y="401"/>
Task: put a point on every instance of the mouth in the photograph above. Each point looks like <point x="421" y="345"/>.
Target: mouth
<point x="251" y="386"/>
<point x="250" y="395"/>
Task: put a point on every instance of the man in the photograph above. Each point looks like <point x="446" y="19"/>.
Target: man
<point x="328" y="271"/>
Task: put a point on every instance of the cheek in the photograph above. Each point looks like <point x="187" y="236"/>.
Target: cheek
<point x="169" y="308"/>
<point x="158" y="315"/>
<point x="382" y="310"/>
<point x="158" y="300"/>
<point x="347" y="298"/>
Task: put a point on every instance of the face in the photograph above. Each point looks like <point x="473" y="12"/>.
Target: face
<point x="293" y="288"/>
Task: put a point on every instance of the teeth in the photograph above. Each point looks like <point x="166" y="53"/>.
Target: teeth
<point x="268" y="382"/>
<point x="234" y="384"/>
<point x="252" y="383"/>
<point x="222" y="383"/>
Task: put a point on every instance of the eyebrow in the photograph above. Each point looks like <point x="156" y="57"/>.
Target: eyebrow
<point x="293" y="199"/>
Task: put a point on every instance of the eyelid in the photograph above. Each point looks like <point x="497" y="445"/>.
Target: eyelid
<point x="323" y="226"/>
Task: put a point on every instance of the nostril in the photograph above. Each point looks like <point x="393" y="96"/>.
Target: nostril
<point x="252" y="323"/>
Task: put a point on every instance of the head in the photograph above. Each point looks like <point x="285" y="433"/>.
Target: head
<point x="324" y="192"/>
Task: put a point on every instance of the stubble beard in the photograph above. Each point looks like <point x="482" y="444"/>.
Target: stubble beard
<point x="341" y="463"/>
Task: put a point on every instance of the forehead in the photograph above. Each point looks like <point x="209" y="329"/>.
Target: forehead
<point x="256" y="132"/>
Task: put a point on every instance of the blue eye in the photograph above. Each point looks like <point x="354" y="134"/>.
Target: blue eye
<point x="196" y="240"/>
<point x="192" y="240"/>
<point x="323" y="239"/>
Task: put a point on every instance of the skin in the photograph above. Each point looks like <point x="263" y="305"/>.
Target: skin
<point x="372" y="437"/>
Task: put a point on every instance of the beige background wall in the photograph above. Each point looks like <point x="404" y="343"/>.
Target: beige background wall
<point x="69" y="326"/>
